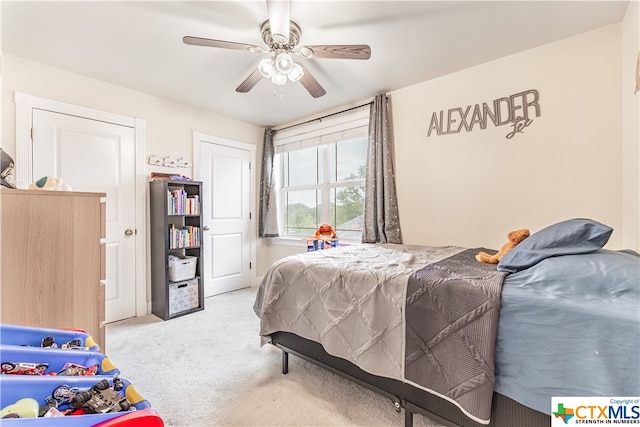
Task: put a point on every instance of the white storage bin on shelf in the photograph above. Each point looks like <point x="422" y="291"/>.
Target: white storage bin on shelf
<point x="182" y="267"/>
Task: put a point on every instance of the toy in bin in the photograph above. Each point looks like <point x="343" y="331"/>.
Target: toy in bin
<point x="74" y="369"/>
<point x="75" y="344"/>
<point x="325" y="238"/>
<point x="30" y="368"/>
<point x="101" y="398"/>
<point x="79" y="402"/>
<point x="23" y="368"/>
<point x="23" y="360"/>
<point x="64" y="338"/>
<point x="23" y="408"/>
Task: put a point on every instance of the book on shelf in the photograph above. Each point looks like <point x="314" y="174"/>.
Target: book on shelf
<point x="187" y="236"/>
<point x="180" y="203"/>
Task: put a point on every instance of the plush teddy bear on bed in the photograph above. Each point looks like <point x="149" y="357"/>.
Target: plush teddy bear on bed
<point x="515" y="237"/>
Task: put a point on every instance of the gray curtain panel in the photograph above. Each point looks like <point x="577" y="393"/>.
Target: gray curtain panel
<point x="268" y="221"/>
<point x="381" y="218"/>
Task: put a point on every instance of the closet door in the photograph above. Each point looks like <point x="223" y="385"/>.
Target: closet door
<point x="92" y="155"/>
<point x="227" y="217"/>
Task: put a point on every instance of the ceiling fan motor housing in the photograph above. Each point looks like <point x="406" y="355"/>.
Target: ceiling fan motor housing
<point x="273" y="43"/>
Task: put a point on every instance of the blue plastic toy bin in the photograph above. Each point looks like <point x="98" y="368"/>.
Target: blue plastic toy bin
<point x="32" y="336"/>
<point x="57" y="359"/>
<point x="16" y="387"/>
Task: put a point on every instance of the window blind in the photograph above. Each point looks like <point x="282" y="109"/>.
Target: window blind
<point x="322" y="132"/>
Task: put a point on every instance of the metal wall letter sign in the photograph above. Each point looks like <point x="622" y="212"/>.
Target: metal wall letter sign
<point x="515" y="110"/>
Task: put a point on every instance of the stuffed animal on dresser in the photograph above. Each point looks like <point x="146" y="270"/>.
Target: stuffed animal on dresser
<point x="49" y="183"/>
<point x="515" y="237"/>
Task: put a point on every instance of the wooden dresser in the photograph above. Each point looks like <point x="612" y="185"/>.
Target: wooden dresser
<point x="52" y="261"/>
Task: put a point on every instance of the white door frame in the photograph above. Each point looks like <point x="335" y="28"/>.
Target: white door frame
<point x="25" y="103"/>
<point x="201" y="138"/>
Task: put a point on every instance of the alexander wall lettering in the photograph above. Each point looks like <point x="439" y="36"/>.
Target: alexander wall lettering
<point x="517" y="111"/>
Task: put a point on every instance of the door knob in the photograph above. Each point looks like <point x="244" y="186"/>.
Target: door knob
<point x="128" y="232"/>
<point x="205" y="228"/>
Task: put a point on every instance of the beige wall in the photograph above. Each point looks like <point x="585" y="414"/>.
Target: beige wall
<point x="630" y="128"/>
<point x="472" y="188"/>
<point x="169" y="125"/>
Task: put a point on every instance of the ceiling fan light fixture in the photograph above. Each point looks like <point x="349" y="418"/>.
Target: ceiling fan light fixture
<point x="296" y="73"/>
<point x="279" y="78"/>
<point x="280" y="69"/>
<point x="267" y="68"/>
<point x="284" y="62"/>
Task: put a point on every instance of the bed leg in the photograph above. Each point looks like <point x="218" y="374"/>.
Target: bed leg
<point x="408" y="418"/>
<point x="285" y="362"/>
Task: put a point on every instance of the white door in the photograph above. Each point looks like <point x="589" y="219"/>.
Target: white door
<point x="226" y="212"/>
<point x="96" y="156"/>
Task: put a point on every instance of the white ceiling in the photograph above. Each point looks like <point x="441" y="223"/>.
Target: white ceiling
<point x="139" y="45"/>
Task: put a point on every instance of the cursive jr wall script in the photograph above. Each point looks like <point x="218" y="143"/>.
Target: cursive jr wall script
<point x="516" y="110"/>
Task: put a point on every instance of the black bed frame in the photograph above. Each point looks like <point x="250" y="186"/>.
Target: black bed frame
<point x="505" y="412"/>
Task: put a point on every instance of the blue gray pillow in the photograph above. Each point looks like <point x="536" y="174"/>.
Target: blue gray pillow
<point x="570" y="237"/>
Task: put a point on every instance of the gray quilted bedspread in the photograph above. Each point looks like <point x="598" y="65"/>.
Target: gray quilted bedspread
<point x="452" y="310"/>
<point x="352" y="300"/>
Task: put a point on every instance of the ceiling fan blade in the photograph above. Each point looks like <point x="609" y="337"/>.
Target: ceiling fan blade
<point x="311" y="84"/>
<point x="279" y="19"/>
<point x="340" y="51"/>
<point x="199" y="41"/>
<point x="250" y="82"/>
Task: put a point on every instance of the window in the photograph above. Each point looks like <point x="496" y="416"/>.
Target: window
<point x="321" y="173"/>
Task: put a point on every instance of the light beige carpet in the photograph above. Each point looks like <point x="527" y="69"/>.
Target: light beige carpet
<point x="208" y="369"/>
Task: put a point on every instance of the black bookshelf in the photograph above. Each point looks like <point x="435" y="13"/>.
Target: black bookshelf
<point x="175" y="211"/>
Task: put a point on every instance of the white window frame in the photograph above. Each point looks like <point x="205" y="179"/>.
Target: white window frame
<point x="319" y="133"/>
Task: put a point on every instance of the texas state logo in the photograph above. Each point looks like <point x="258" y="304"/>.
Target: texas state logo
<point x="594" y="410"/>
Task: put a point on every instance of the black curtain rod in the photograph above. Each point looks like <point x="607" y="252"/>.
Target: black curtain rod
<point x="324" y="117"/>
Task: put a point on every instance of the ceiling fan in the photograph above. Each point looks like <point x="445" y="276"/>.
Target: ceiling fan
<point x="281" y="35"/>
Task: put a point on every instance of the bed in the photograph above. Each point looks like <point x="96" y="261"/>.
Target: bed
<point x="462" y="342"/>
